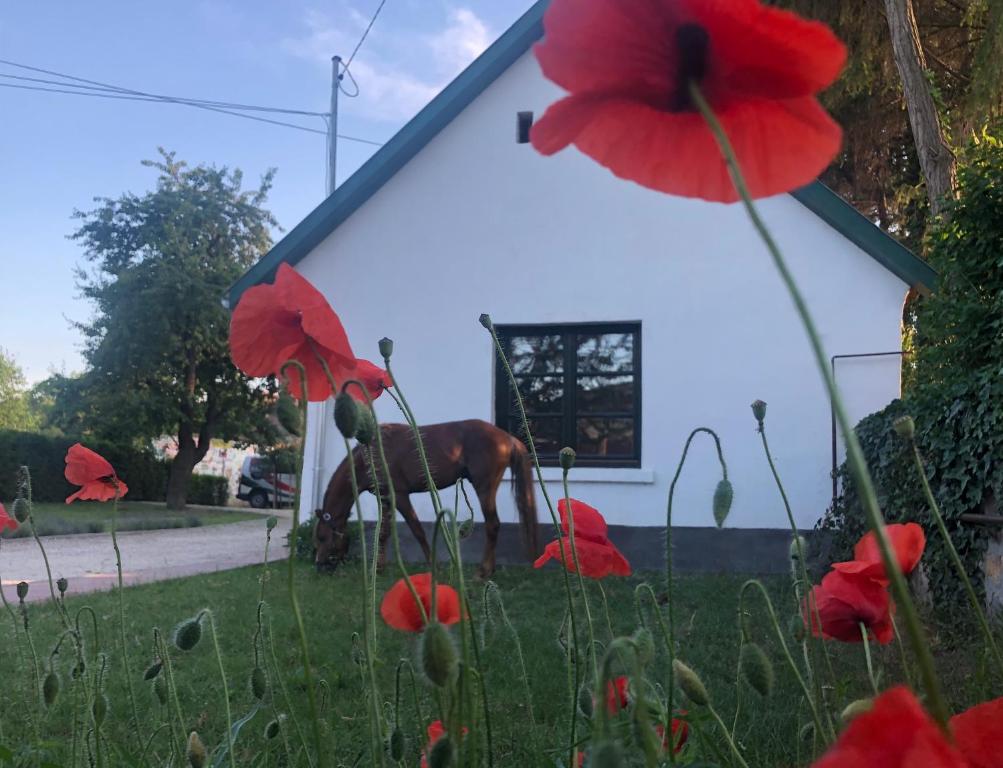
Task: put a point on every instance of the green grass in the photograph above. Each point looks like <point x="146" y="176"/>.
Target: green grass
<point x="93" y="517"/>
<point x="706" y="610"/>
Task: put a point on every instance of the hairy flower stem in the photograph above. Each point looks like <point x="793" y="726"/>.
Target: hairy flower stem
<point x="787" y="654"/>
<point x="368" y="628"/>
<point x="531" y="445"/>
<point x="121" y="614"/>
<point x="172" y="689"/>
<point x="581" y="578"/>
<point x="311" y="694"/>
<point x="277" y="671"/>
<point x="226" y="689"/>
<point x="17" y="640"/>
<point x="867" y="659"/>
<point x="854" y="453"/>
<point x="36" y="686"/>
<point x="671" y="638"/>
<point x="952" y="552"/>
<point x="809" y="596"/>
<point x="727" y="736"/>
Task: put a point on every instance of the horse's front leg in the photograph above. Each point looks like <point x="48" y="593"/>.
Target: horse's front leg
<point x="386" y="520"/>
<point x="411" y="518"/>
<point x="492" y="525"/>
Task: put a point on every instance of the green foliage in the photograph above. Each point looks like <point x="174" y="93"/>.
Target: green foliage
<point x="157" y="346"/>
<point x="305" y="550"/>
<point x="209" y="490"/>
<point x="956" y="394"/>
<point x="141" y="469"/>
<point x="15" y="405"/>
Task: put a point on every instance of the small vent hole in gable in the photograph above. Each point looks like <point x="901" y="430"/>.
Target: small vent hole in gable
<point x="524" y="121"/>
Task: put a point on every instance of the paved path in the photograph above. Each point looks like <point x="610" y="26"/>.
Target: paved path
<point x="88" y="560"/>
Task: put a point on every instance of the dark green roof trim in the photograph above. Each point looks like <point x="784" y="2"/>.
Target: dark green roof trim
<point x="871" y="239"/>
<point x="453" y="99"/>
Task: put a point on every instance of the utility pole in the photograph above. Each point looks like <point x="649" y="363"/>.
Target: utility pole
<point x="322" y="411"/>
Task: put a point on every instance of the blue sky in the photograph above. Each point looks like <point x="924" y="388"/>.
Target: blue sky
<point x="58" y="152"/>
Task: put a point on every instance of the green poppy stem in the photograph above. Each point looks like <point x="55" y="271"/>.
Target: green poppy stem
<point x="952" y="552"/>
<point x="867" y="659"/>
<point x="854" y="453"/>
<point x="226" y="689"/>
<point x="581" y="577"/>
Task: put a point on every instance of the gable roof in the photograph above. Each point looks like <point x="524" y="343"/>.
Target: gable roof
<point x="454" y="98"/>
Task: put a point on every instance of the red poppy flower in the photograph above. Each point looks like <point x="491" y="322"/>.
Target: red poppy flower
<point x="290" y="320"/>
<point x="843" y="602"/>
<point x="895" y="733"/>
<point x="628" y="63"/>
<point x="978" y="734"/>
<point x="907" y="540"/>
<point x="94" y="474"/>
<point x="616" y="694"/>
<point x="680" y="732"/>
<point x="400" y="610"/>
<point x="435" y="732"/>
<point x="6" y="521"/>
<point x="597" y="556"/>
<point x="370" y="375"/>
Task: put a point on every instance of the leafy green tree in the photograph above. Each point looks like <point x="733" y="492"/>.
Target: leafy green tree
<point x="157" y="346"/>
<point x="15" y="406"/>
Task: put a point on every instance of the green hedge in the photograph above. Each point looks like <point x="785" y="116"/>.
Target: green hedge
<point x="45" y="456"/>
<point x="209" y="490"/>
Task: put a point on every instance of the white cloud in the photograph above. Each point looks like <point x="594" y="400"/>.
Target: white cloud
<point x="397" y="74"/>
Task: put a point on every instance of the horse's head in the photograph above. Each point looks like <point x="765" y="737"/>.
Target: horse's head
<point x="330" y="539"/>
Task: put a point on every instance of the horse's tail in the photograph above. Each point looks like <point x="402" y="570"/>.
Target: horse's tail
<point x="525" y="498"/>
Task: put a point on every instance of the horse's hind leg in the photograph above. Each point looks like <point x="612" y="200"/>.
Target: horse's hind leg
<point x="386" y="520"/>
<point x="411" y="518"/>
<point x="492" y="525"/>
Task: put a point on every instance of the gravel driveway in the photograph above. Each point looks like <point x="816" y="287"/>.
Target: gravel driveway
<point x="88" y="560"/>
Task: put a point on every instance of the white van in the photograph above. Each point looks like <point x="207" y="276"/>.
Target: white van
<point x="259" y="485"/>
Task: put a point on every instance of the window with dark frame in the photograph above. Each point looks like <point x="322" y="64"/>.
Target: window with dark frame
<point x="581" y="385"/>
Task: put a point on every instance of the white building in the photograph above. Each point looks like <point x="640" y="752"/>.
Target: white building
<point x="666" y="311"/>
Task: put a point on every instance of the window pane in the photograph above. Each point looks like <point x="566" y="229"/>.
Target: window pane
<point x="546" y="434"/>
<point x="605" y="352"/>
<point x="605" y="437"/>
<point x="542" y="394"/>
<point x="603" y="394"/>
<point x="536" y="354"/>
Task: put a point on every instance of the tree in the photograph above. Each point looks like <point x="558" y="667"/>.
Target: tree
<point x="15" y="408"/>
<point x="157" y="346"/>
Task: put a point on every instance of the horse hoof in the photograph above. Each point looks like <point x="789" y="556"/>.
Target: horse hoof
<point x="483" y="574"/>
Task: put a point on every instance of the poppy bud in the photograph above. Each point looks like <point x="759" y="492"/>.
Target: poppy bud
<point x="806" y="731"/>
<point x="346" y="414"/>
<point x="759" y="411"/>
<point x="50" y="687"/>
<point x="259" y="683"/>
<point x="586" y="704"/>
<point x="160" y="689"/>
<point x="273" y="727"/>
<point x="438" y="655"/>
<point x="797" y="628"/>
<point x="78" y="670"/>
<point x="397" y="745"/>
<point x="466" y="528"/>
<point x="99" y="708"/>
<point x="798" y="545"/>
<point x="153" y="670"/>
<point x="723" y="495"/>
<point x="606" y="754"/>
<point x="271" y="522"/>
<point x="196" y="751"/>
<point x="62" y="585"/>
<point x="21" y="509"/>
<point x="365" y="430"/>
<point x="854" y="708"/>
<point x="567" y="458"/>
<point x="485" y="320"/>
<point x="756" y="668"/>
<point x="442" y="752"/>
<point x="386" y="347"/>
<point x="22" y="590"/>
<point x="188" y="633"/>
<point x="690" y="683"/>
<point x="905" y="427"/>
<point x="644" y="642"/>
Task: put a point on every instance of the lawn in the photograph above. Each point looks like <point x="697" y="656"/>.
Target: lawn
<point x="706" y="615"/>
<point x="93" y="517"/>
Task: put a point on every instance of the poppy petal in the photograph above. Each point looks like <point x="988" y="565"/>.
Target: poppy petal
<point x="907" y="539"/>
<point x="263" y="335"/>
<point x="895" y="733"/>
<point x="978" y="734"/>
<point x="319" y="321"/>
<point x="400" y="611"/>
<point x="84" y="465"/>
<point x="589" y="522"/>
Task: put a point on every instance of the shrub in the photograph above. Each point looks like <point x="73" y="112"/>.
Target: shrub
<point x="209" y="490"/>
<point x="142" y="471"/>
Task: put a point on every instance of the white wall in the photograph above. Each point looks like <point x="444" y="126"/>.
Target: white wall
<point x="478" y="223"/>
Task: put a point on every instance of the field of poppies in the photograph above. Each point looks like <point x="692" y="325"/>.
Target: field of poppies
<point x="613" y="669"/>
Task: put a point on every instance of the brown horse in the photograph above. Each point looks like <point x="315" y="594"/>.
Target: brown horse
<point x="470" y="450"/>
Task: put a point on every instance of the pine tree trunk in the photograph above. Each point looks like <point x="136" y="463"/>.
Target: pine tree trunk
<point x="936" y="160"/>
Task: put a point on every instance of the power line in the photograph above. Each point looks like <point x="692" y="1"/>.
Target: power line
<point x="365" y="34"/>
<point x="97" y="89"/>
